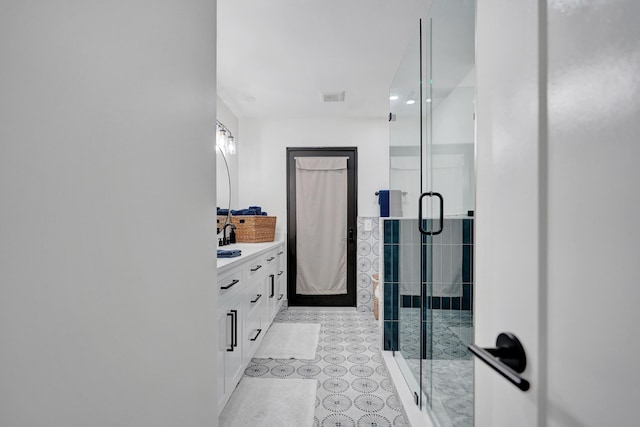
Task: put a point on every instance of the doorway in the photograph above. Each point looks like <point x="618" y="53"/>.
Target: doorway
<point x="321" y="226"/>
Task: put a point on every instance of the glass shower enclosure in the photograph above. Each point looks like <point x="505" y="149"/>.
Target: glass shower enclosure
<point x="428" y="246"/>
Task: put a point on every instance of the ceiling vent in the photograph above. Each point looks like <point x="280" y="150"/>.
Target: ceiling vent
<point x="333" y="97"/>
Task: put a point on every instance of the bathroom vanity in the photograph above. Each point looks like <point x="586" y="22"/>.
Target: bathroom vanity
<point x="252" y="288"/>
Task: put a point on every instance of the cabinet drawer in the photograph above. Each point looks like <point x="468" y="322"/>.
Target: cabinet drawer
<point x="261" y="266"/>
<point x="255" y="328"/>
<point x="281" y="286"/>
<point x="280" y="253"/>
<point x="272" y="259"/>
<point x="230" y="283"/>
<point x="255" y="298"/>
<point x="256" y="269"/>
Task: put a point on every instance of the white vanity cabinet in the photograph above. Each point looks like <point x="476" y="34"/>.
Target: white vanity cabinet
<point x="250" y="296"/>
<point x="230" y="327"/>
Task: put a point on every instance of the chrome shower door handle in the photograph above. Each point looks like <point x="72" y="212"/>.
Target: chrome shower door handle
<point x="420" y="218"/>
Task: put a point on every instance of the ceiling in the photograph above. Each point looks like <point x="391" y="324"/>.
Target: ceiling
<point x="276" y="58"/>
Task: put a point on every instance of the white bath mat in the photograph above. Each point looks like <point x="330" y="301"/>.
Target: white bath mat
<point x="290" y="341"/>
<point x="265" y="402"/>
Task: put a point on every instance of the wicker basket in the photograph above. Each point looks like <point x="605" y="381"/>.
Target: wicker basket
<point x="252" y="228"/>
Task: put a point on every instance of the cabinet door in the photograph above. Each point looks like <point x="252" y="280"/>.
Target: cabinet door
<point x="230" y="328"/>
<point x="272" y="297"/>
<point x="224" y="344"/>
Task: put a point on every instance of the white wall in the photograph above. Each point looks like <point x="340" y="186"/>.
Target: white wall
<point x="558" y="207"/>
<point x="592" y="213"/>
<point x="107" y="239"/>
<point x="452" y="165"/>
<point x="453" y="117"/>
<point x="451" y="156"/>
<point x="262" y="158"/>
<point x="229" y="119"/>
<point x="507" y="232"/>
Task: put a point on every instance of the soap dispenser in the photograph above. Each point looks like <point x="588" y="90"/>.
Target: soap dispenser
<point x="232" y="236"/>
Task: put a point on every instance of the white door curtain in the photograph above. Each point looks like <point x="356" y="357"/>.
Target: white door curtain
<point x="321" y="225"/>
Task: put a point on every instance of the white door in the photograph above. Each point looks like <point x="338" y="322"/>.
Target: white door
<point x="558" y="209"/>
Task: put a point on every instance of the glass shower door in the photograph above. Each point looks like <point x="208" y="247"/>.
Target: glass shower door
<point x="446" y="210"/>
<point x="402" y="239"/>
<point x="428" y="244"/>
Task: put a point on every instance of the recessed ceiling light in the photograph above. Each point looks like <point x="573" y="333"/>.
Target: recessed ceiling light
<point x="411" y="101"/>
<point x="393" y="97"/>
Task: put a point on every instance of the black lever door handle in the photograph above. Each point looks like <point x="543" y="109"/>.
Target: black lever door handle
<point x="508" y="358"/>
<point x="351" y="234"/>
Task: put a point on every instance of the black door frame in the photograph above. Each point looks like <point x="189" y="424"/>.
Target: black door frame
<point x="350" y="298"/>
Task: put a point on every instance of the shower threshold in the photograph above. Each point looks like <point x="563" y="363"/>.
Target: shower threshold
<point x="415" y="415"/>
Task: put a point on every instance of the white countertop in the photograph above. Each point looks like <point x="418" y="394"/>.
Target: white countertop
<point x="249" y="250"/>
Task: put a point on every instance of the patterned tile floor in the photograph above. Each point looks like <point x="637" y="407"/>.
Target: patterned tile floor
<point x="353" y="387"/>
<point x="448" y="375"/>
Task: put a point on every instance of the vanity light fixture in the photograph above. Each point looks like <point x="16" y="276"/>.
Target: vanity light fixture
<point x="225" y="142"/>
<point x="411" y="101"/>
<point x="231" y="145"/>
<point x="393" y="97"/>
